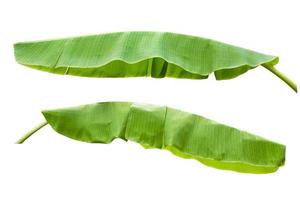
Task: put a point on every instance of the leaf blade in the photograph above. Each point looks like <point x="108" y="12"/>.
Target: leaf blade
<point x="107" y="55"/>
<point x="184" y="134"/>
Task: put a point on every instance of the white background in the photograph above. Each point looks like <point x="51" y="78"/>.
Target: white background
<point x="50" y="166"/>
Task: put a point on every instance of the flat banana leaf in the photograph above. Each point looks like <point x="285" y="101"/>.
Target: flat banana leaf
<point x="140" y="54"/>
<point x="184" y="134"/>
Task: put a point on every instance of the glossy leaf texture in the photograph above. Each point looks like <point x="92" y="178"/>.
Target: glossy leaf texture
<point x="184" y="134"/>
<point x="142" y="54"/>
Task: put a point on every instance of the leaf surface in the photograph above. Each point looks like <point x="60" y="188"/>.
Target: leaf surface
<point x="134" y="54"/>
<point x="184" y="134"/>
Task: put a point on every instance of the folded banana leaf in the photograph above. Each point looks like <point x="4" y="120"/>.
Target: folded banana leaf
<point x="184" y="134"/>
<point x="140" y="54"/>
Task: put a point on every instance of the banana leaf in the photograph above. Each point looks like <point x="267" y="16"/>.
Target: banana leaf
<point x="184" y="134"/>
<point x="142" y="54"/>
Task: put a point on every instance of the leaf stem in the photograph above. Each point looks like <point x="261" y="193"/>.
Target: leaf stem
<point x="31" y="132"/>
<point x="282" y="77"/>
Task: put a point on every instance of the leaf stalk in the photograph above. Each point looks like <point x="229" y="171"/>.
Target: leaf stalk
<point x="282" y="77"/>
<point x="31" y="132"/>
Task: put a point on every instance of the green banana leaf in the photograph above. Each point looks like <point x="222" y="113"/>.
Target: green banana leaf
<point x="184" y="134"/>
<point x="140" y="54"/>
